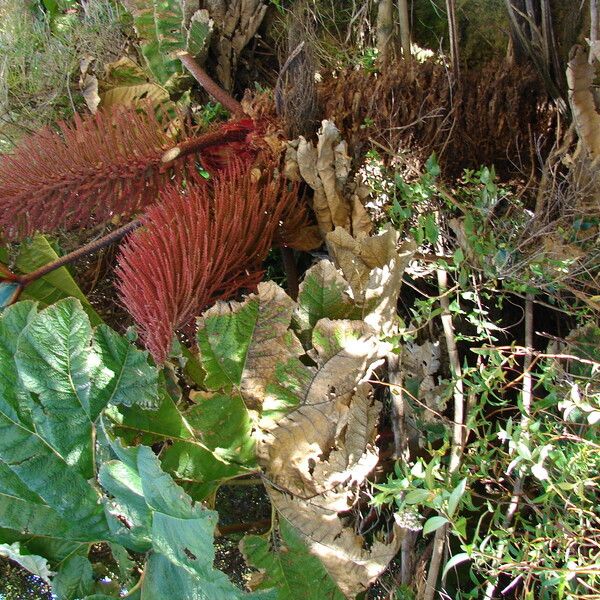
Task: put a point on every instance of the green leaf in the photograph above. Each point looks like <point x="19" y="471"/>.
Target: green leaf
<point x="455" y="560"/>
<point x="434" y="523"/>
<point x="324" y="293"/>
<point x="55" y="285"/>
<point x="74" y="580"/>
<point x="54" y="382"/>
<point x="289" y="567"/>
<point x="455" y="496"/>
<point x="55" y="363"/>
<point x="248" y="348"/>
<point x="42" y="464"/>
<point x="180" y="532"/>
<point x="431" y="228"/>
<point x="432" y="166"/>
<point x="198" y="33"/>
<point x="416" y="496"/>
<point x="458" y="257"/>
<point x="162" y="26"/>
<point x="222" y="423"/>
<point x="224" y="340"/>
<point x="209" y="442"/>
<point x="126" y="374"/>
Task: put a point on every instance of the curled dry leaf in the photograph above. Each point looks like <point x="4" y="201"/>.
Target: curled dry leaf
<point x="126" y="83"/>
<point x="88" y="84"/>
<point x="580" y="75"/>
<point x="373" y="268"/>
<point x="320" y="455"/>
<point x="325" y="169"/>
<point x="317" y="457"/>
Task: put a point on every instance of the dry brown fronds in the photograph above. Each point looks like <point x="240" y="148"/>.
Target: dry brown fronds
<point x="488" y="119"/>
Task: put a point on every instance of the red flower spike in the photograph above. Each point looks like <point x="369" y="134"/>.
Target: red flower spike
<point x="110" y="164"/>
<point x="196" y="247"/>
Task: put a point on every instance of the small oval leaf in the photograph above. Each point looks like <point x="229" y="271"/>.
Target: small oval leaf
<point x="455" y="560"/>
<point x="434" y="523"/>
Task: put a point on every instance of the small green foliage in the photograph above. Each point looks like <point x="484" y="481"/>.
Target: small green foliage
<point x="368" y="60"/>
<point x="480" y="227"/>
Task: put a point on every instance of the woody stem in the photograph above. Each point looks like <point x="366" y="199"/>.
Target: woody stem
<point x="202" y="77"/>
<point x="90" y="248"/>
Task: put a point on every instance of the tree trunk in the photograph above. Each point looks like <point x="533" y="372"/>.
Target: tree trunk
<point x="453" y="34"/>
<point x="404" y="28"/>
<point x="534" y="33"/>
<point x="593" y="20"/>
<point x="385" y="30"/>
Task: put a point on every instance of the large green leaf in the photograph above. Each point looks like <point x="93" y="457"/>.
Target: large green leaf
<point x="222" y="424"/>
<point x="289" y="567"/>
<point x="125" y="375"/>
<point x="209" y="442"/>
<point x="74" y="580"/>
<point x="248" y="349"/>
<point x="56" y="376"/>
<point x="180" y="533"/>
<point x="55" y="285"/>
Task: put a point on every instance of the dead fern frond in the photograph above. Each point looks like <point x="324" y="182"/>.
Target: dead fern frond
<point x="196" y="246"/>
<point x="93" y="170"/>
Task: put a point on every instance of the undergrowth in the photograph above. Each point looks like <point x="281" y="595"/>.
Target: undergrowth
<point x="40" y="61"/>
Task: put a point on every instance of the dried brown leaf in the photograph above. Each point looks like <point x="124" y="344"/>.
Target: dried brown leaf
<point x="325" y="168"/>
<point x="580" y="75"/>
<point x="373" y="268"/>
<point x="320" y="456"/>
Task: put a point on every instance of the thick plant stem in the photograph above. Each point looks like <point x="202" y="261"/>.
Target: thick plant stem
<point x="197" y="144"/>
<point x="90" y="248"/>
<point x="526" y="398"/>
<point x="202" y="77"/>
<point x="404" y="28"/>
<point x="291" y="271"/>
<point x="385" y="30"/>
<point x="457" y="430"/>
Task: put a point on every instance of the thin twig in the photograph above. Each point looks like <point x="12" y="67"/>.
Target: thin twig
<point x="526" y="397"/>
<point x="458" y="427"/>
<point x="261" y="524"/>
<point x="202" y="77"/>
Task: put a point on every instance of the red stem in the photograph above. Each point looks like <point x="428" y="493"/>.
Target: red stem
<point x="90" y="248"/>
<point x="202" y="77"/>
<point x="207" y="140"/>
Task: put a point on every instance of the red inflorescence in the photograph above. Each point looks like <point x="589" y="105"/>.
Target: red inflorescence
<point x="99" y="168"/>
<point x="196" y="246"/>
